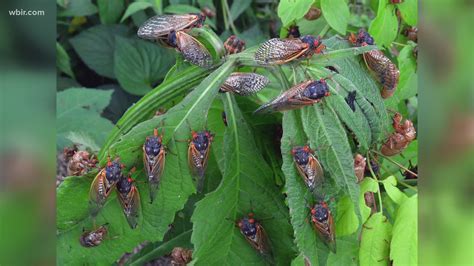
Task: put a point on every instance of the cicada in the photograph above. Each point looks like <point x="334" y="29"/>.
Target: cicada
<point x="302" y="94"/>
<point x="198" y="154"/>
<point x="411" y="33"/>
<point x="103" y="184"/>
<point x="254" y="233"/>
<point x="293" y="32"/>
<point x="80" y="163"/>
<point x="154" y="161"/>
<point x="244" y="83"/>
<point x="359" y="167"/>
<point x="280" y="51"/>
<point x="324" y="224"/>
<point x="350" y="100"/>
<point x="129" y="200"/>
<point x="192" y="50"/>
<point x="404" y="134"/>
<point x="181" y="256"/>
<point x="158" y="28"/>
<point x="384" y="70"/>
<point x="93" y="238"/>
<point x="234" y="45"/>
<point x="308" y="166"/>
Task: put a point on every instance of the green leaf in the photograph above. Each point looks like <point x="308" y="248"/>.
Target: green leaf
<point x="346" y="253"/>
<point x="77" y="8"/>
<point x="409" y="11"/>
<point x="71" y="207"/>
<point x="346" y="220"/>
<point x="139" y="64"/>
<point x="390" y="185"/>
<point x="181" y="9"/>
<point x="384" y="27"/>
<point x="78" y="110"/>
<point x="336" y="13"/>
<point x="96" y="46"/>
<point x="110" y="10"/>
<point x="291" y="10"/>
<point x="134" y="8"/>
<point x="238" y="7"/>
<point x="244" y="188"/>
<point x="375" y="241"/>
<point x="404" y="244"/>
<point x="62" y="60"/>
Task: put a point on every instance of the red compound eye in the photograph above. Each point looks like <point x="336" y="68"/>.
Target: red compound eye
<point x="130" y="180"/>
<point x="313" y="211"/>
<point x="251" y="221"/>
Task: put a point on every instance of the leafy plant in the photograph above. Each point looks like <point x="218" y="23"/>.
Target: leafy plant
<point x="251" y="168"/>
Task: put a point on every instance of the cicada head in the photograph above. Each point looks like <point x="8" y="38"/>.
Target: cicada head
<point x="316" y="90"/>
<point x="153" y="144"/>
<point x="93" y="238"/>
<point x="202" y="140"/>
<point x="362" y="38"/>
<point x="324" y="224"/>
<point x="234" y="45"/>
<point x="201" y="18"/>
<point x="315" y="44"/>
<point x="308" y="166"/>
<point x="293" y="32"/>
<point x="301" y="155"/>
<point x="113" y="171"/>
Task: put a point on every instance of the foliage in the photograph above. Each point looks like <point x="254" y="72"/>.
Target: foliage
<point x="251" y="168"/>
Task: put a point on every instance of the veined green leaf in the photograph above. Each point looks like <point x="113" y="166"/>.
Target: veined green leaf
<point x="336" y="13"/>
<point x="291" y="10"/>
<point x="110" y="10"/>
<point x="409" y="11"/>
<point x="62" y="60"/>
<point x="384" y="27"/>
<point x="375" y="241"/>
<point x="134" y="8"/>
<point x="404" y="244"/>
<point x="390" y="185"/>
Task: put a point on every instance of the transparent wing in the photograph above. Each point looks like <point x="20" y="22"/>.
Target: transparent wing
<point x="192" y="50"/>
<point x="131" y="206"/>
<point x="244" y="83"/>
<point x="160" y="26"/>
<point x="154" y="167"/>
<point x="277" y="51"/>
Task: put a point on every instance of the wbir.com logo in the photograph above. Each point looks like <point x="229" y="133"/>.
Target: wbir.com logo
<point x="22" y="12"/>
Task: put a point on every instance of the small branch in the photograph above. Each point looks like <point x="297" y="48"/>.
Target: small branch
<point x="376" y="179"/>
<point x="230" y="19"/>
<point x="396" y="163"/>
<point x="390" y="173"/>
<point x="324" y="30"/>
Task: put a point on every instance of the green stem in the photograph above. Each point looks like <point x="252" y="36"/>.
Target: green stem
<point x="224" y="14"/>
<point x="390" y="173"/>
<point x="379" y="194"/>
<point x="324" y="30"/>
<point x="396" y="163"/>
<point x="230" y="19"/>
<point x="400" y="44"/>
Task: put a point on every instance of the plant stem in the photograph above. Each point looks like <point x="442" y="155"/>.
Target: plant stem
<point x="396" y="163"/>
<point x="379" y="194"/>
<point x="230" y="19"/>
<point x="399" y="44"/>
<point x="224" y="14"/>
<point x="390" y="173"/>
<point x="324" y="30"/>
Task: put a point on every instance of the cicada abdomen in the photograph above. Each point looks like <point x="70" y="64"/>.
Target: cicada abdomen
<point x="159" y="27"/>
<point x="244" y="83"/>
<point x="308" y="166"/>
<point x="154" y="161"/>
<point x="198" y="154"/>
<point x="300" y="95"/>
<point x="192" y="50"/>
<point x="280" y="51"/>
<point x="255" y="235"/>
<point x="93" y="238"/>
<point x="129" y="200"/>
<point x="324" y="224"/>
<point x="404" y="134"/>
<point x="234" y="45"/>
<point x="103" y="184"/>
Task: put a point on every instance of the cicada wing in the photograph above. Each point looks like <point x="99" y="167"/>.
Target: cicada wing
<point x="154" y="167"/>
<point x="288" y="100"/>
<point x="160" y="26"/>
<point x="98" y="193"/>
<point x="244" y="83"/>
<point x="192" y="50"/>
<point x="278" y="51"/>
<point x="131" y="206"/>
<point x="384" y="71"/>
<point x="327" y="233"/>
<point x="317" y="170"/>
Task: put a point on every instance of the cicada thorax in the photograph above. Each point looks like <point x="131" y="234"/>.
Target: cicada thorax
<point x="300" y="95"/>
<point x="198" y="154"/>
<point x="308" y="166"/>
<point x="280" y="51"/>
<point x="244" y="83"/>
<point x="93" y="238"/>
<point x="254" y="233"/>
<point x="404" y="134"/>
<point x="103" y="184"/>
<point x="154" y="161"/>
<point x="159" y="27"/>
<point x="324" y="224"/>
<point x="234" y="45"/>
<point x="129" y="200"/>
<point x="192" y="50"/>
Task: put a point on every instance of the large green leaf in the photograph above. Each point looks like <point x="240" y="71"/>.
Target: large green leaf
<point x="375" y="241"/>
<point x="409" y="11"/>
<point x="346" y="253"/>
<point x="110" y="10"/>
<point x="139" y="64"/>
<point x="384" y="27"/>
<point x="336" y="13"/>
<point x="246" y="187"/>
<point x="77" y="8"/>
<point x="291" y="10"/>
<point x="96" y="46"/>
<point x="404" y="244"/>
<point x="134" y="8"/>
<point x="63" y="61"/>
<point x="238" y="7"/>
<point x="390" y="185"/>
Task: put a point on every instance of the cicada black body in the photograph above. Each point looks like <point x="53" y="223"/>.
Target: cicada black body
<point x="192" y="50"/>
<point x="300" y="95"/>
<point x="93" y="238"/>
<point x="324" y="224"/>
<point x="293" y="32"/>
<point x="129" y="200"/>
<point x="384" y="70"/>
<point x="154" y="161"/>
<point x="308" y="166"/>
<point x="198" y="154"/>
<point x="103" y="184"/>
<point x="280" y="51"/>
<point x="234" y="45"/>
<point x="159" y="27"/>
<point x="350" y="100"/>
<point x="254" y="233"/>
<point x="244" y="83"/>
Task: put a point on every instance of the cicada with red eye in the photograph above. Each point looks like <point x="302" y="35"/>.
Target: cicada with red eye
<point x="103" y="184"/>
<point x="381" y="66"/>
<point x="154" y="161"/>
<point x="198" y="154"/>
<point x="280" y="51"/>
<point x="244" y="84"/>
<point x="158" y="28"/>
<point x="324" y="224"/>
<point x="192" y="50"/>
<point x="234" y="45"/>
<point x="129" y="199"/>
<point x="308" y="166"/>
<point x="254" y="233"/>
<point x="300" y="95"/>
<point x="93" y="238"/>
<point x="404" y="134"/>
